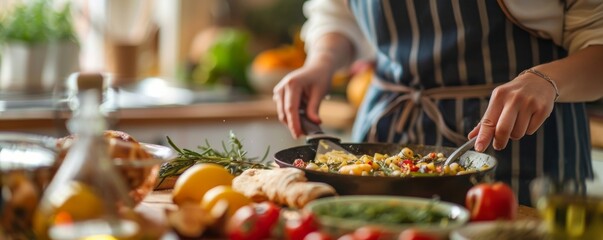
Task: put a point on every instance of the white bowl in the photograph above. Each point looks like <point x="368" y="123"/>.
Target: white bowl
<point x="500" y="230"/>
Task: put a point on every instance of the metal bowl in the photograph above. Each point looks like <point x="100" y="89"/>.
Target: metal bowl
<point x="447" y="188"/>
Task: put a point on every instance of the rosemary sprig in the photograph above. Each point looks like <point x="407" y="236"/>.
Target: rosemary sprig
<point x="233" y="158"/>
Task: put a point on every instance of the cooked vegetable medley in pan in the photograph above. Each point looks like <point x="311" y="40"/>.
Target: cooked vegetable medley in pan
<point x="405" y="163"/>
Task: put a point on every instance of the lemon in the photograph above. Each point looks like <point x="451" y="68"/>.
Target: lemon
<point x="75" y="201"/>
<point x="80" y="202"/>
<point x="235" y="199"/>
<point x="100" y="237"/>
<point x="198" y="179"/>
<point x="358" y="86"/>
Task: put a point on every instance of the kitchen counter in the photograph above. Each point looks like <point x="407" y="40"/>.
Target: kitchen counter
<point x="336" y="113"/>
<point x="253" y="119"/>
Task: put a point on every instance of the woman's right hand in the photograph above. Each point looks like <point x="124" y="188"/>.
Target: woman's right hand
<point x="308" y="84"/>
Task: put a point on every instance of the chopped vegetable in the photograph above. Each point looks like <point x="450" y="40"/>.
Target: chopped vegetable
<point x="405" y="163"/>
<point x="383" y="213"/>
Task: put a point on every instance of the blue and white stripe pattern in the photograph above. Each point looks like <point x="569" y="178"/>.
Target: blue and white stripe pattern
<point x="427" y="44"/>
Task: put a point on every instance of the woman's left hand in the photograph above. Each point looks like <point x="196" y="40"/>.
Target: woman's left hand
<point x="515" y="109"/>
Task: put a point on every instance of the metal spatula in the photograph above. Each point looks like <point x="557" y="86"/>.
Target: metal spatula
<point x="460" y="151"/>
<point x="314" y="135"/>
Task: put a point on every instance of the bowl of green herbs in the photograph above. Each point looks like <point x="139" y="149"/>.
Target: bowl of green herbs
<point x="390" y="214"/>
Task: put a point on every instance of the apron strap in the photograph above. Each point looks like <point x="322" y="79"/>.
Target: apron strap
<point x="413" y="101"/>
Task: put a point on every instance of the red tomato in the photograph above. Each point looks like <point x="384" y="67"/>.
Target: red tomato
<point x="241" y="226"/>
<point x="491" y="201"/>
<point x="414" y="234"/>
<point x="299" y="228"/>
<point x="253" y="222"/>
<point x="367" y="233"/>
<point x="269" y="214"/>
<point x="317" y="235"/>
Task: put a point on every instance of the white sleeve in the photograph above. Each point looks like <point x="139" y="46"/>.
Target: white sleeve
<point x="334" y="16"/>
<point x="583" y="24"/>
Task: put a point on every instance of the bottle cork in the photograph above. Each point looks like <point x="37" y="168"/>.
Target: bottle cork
<point x="90" y="81"/>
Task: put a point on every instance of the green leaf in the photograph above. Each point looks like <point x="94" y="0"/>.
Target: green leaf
<point x="36" y="22"/>
<point x="233" y="158"/>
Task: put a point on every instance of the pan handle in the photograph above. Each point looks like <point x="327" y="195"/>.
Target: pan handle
<point x="312" y="130"/>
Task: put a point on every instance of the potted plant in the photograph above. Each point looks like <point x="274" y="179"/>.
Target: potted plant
<point x="62" y="58"/>
<point x="31" y="38"/>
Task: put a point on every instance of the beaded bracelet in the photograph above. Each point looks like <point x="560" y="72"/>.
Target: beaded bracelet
<point x="545" y="77"/>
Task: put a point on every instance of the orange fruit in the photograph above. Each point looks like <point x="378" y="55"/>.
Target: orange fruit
<point x="358" y="86"/>
<point x="286" y="57"/>
<point x="197" y="180"/>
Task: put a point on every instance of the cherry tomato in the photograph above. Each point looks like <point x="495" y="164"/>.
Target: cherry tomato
<point x="241" y="226"/>
<point x="299" y="163"/>
<point x="414" y="234"/>
<point x="298" y="229"/>
<point x="317" y="235"/>
<point x="269" y="214"/>
<point x="253" y="221"/>
<point x="491" y="201"/>
<point x="367" y="233"/>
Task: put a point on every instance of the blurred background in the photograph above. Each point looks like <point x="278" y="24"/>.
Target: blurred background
<point x="188" y="69"/>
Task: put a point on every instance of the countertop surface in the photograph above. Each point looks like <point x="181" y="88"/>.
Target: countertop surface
<point x="336" y="113"/>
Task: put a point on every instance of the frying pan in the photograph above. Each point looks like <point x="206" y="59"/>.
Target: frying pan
<point x="446" y="188"/>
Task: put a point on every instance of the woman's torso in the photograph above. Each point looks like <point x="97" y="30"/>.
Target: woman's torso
<point x="437" y="43"/>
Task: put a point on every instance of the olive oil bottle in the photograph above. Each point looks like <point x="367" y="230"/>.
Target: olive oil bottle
<point x="571" y="209"/>
<point x="87" y="197"/>
<point x="573" y="217"/>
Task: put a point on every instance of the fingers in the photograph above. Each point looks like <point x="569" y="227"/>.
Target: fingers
<point x="277" y="97"/>
<point x="313" y="106"/>
<point x="485" y="134"/>
<point x="505" y="125"/>
<point x="521" y="125"/>
<point x="283" y="97"/>
<point x="536" y="121"/>
<point x="288" y="98"/>
<point x="473" y="132"/>
<point x="292" y="99"/>
<point x="488" y="122"/>
<point x="515" y="109"/>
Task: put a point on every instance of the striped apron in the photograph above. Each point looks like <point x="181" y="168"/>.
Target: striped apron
<point x="437" y="64"/>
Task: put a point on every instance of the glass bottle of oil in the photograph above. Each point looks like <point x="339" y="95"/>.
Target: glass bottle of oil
<point x="570" y="209"/>
<point x="87" y="197"/>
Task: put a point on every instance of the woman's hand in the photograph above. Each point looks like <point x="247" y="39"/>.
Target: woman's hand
<point x="308" y="84"/>
<point x="516" y="108"/>
<point x="520" y="106"/>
